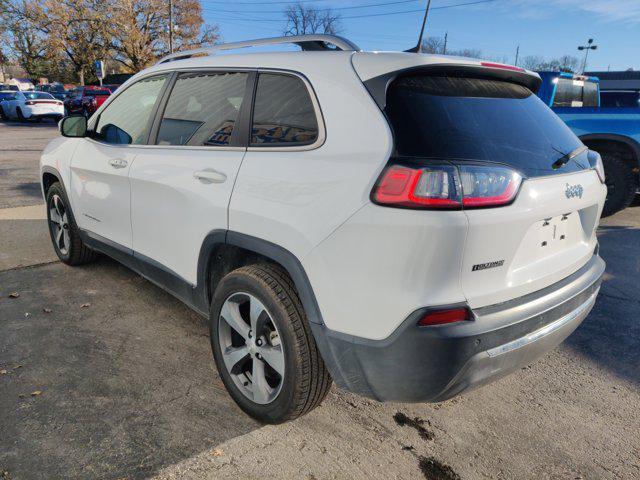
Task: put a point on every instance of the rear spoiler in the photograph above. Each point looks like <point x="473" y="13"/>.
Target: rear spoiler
<point x="377" y="86"/>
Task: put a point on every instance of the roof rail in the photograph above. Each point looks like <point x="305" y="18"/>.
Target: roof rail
<point x="315" y="42"/>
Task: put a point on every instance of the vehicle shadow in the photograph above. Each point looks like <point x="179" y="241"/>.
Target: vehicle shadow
<point x="107" y="376"/>
<point x="610" y="336"/>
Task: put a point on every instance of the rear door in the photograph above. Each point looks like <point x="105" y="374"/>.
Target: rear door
<point x="548" y="231"/>
<point x="100" y="190"/>
<point x="181" y="186"/>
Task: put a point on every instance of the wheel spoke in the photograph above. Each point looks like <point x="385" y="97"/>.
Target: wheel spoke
<point x="65" y="239"/>
<point x="274" y="357"/>
<point x="55" y="217"/>
<point x="233" y="355"/>
<point x="231" y="314"/>
<point x="255" y="310"/>
<point x="59" y="238"/>
<point x="259" y="386"/>
<point x="58" y="206"/>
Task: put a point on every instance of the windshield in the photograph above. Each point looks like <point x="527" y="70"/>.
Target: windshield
<point x="478" y="119"/>
<point x="89" y="93"/>
<point x="37" y="95"/>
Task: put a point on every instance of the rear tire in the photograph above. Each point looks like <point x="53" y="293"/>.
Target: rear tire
<point x="621" y="181"/>
<point x="65" y="235"/>
<point x="20" y="116"/>
<point x="304" y="381"/>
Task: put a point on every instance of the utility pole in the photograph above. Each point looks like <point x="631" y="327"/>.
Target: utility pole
<point x="444" y="49"/>
<point x="170" y="26"/>
<point x="587" y="47"/>
<point x="517" y="55"/>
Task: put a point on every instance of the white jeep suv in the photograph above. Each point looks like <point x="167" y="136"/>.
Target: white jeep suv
<point x="406" y="225"/>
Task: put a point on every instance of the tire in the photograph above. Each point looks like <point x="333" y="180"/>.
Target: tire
<point x="281" y="327"/>
<point x="3" y="115"/>
<point x="20" y="116"/>
<point x="621" y="181"/>
<point x="68" y="246"/>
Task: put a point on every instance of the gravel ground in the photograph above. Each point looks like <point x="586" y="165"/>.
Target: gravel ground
<point x="103" y="375"/>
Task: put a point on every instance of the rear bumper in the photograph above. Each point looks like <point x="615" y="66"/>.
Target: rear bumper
<point x="433" y="364"/>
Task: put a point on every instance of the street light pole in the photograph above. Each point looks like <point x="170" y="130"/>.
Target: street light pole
<point x="170" y="26"/>
<point x="587" y="47"/>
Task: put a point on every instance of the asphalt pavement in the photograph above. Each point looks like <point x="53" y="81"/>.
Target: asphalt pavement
<point x="103" y="375"/>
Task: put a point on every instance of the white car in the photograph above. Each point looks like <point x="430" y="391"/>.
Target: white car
<point x="23" y="106"/>
<point x="406" y="225"/>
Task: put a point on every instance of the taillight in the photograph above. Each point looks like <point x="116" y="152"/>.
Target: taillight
<point x="595" y="160"/>
<point x="29" y="103"/>
<point x="447" y="186"/>
<point x="442" y="317"/>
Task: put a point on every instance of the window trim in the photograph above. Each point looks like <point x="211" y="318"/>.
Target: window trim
<point x="95" y="119"/>
<point x="236" y="142"/>
<point x="283" y="147"/>
<point x="244" y="119"/>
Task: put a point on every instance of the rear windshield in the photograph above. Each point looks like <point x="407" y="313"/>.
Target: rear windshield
<point x="478" y="119"/>
<point x="37" y="95"/>
<point x="575" y="93"/>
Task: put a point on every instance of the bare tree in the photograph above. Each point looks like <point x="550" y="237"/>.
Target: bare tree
<point x="568" y="63"/>
<point x="302" y="20"/>
<point x="433" y="45"/>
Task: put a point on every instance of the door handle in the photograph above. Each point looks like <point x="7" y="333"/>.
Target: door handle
<point x="118" y="163"/>
<point x="210" y="176"/>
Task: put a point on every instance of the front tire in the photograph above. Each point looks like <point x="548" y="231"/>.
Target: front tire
<point x="263" y="346"/>
<point x="63" y="230"/>
<point x="621" y="181"/>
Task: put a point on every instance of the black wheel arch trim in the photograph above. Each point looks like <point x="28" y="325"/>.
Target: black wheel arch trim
<point x="274" y="252"/>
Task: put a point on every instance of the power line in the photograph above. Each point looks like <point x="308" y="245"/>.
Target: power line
<point x="352" y="7"/>
<point x="402" y="12"/>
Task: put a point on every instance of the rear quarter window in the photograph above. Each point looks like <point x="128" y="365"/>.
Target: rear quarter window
<point x="283" y="112"/>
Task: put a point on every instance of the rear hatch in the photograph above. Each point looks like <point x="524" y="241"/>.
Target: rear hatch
<point x="544" y="233"/>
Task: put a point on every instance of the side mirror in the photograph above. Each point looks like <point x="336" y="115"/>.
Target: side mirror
<point x="74" y="126"/>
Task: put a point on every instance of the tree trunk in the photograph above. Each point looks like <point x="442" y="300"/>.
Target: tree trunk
<point x="81" y="76"/>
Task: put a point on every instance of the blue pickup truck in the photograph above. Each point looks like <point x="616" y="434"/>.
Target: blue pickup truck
<point x="613" y="132"/>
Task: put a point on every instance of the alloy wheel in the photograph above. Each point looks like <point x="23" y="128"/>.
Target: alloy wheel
<point x="59" y="224"/>
<point x="251" y="348"/>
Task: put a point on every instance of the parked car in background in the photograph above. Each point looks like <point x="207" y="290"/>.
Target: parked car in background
<point x="85" y="100"/>
<point x="22" y="84"/>
<point x="613" y="132"/>
<point x="55" y="89"/>
<point x="112" y="87"/>
<point x="32" y="106"/>
<point x="620" y="98"/>
<point x="245" y="184"/>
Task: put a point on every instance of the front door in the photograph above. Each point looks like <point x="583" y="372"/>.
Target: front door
<point x="181" y="188"/>
<point x="100" y="190"/>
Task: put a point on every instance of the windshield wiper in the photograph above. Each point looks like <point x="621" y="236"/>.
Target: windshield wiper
<point x="567" y="157"/>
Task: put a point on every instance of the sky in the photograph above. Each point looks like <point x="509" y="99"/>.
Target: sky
<point x="496" y="27"/>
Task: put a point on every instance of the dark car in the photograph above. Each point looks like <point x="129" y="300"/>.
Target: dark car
<point x="86" y="100"/>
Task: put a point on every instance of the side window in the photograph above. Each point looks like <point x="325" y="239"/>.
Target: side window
<point x="202" y="109"/>
<point x="127" y="119"/>
<point x="283" y="113"/>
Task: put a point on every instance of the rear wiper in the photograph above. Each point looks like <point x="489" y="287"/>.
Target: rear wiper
<point x="567" y="157"/>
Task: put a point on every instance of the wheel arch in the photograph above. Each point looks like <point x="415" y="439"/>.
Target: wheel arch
<point x="223" y="251"/>
<point x="617" y="142"/>
<point x="49" y="176"/>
